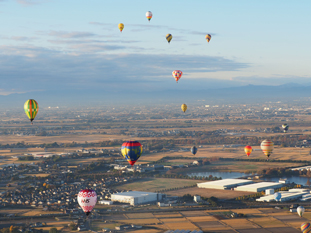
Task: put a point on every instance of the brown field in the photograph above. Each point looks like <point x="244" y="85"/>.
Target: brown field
<point x="221" y="194"/>
<point x="38" y="175"/>
<point x="142" y="215"/>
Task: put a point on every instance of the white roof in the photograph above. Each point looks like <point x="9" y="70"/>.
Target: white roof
<point x="259" y="185"/>
<point x="134" y="194"/>
<point x="223" y="183"/>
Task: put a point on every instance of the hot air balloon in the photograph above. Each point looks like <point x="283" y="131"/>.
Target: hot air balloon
<point x="31" y="108"/>
<point x="267" y="147"/>
<point x="300" y="210"/>
<point x="121" y="26"/>
<point x="194" y="150"/>
<point x="184" y="107"/>
<point x="277" y="196"/>
<point x="248" y="150"/>
<point x="305" y="227"/>
<point x="285" y="127"/>
<point x="169" y="37"/>
<point x="131" y="151"/>
<point x="177" y="74"/>
<point x="87" y="199"/>
<point x="208" y="37"/>
<point x="149" y="15"/>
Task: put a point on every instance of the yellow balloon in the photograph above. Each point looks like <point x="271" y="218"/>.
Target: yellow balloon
<point x="184" y="107"/>
<point x="169" y="37"/>
<point x="121" y="26"/>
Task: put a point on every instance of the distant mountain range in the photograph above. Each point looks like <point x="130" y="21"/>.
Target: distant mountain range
<point x="241" y="94"/>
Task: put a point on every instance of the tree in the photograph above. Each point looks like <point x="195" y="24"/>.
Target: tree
<point x="53" y="230"/>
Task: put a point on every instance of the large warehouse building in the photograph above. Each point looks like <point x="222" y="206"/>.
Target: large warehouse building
<point x="136" y="197"/>
<point x="258" y="187"/>
<point x="292" y="194"/>
<point x="224" y="184"/>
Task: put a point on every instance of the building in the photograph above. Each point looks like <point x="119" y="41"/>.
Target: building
<point x="292" y="194"/>
<point x="258" y="187"/>
<point x="105" y="202"/>
<point x="269" y="191"/>
<point x="196" y="198"/>
<point x="301" y="168"/>
<point x="136" y="197"/>
<point x="224" y="184"/>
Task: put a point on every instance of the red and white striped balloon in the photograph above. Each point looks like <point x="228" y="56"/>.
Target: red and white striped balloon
<point x="87" y="199"/>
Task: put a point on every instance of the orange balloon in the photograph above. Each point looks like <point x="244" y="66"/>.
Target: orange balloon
<point x="248" y="150"/>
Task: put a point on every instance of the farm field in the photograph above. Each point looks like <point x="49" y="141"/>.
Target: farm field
<point x="156" y="184"/>
<point x="217" y="221"/>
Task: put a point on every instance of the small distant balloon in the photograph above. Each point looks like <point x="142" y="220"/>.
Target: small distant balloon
<point x="31" y="108"/>
<point x="305" y="227"/>
<point x="169" y="37"/>
<point x="87" y="199"/>
<point x="285" y="128"/>
<point x="149" y="15"/>
<point x="300" y="210"/>
<point x="248" y="150"/>
<point x="277" y="196"/>
<point x="121" y="26"/>
<point x="184" y="107"/>
<point x="177" y="74"/>
<point x="194" y="150"/>
<point x="208" y="37"/>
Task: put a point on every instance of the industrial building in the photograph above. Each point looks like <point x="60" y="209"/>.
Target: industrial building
<point x="136" y="197"/>
<point x="292" y="194"/>
<point x="224" y="184"/>
<point x="301" y="168"/>
<point x="258" y="187"/>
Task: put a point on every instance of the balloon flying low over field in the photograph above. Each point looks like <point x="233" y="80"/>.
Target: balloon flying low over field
<point x="277" y="196"/>
<point x="300" y="210"/>
<point x="31" y="108"/>
<point x="131" y="151"/>
<point x="305" y="227"/>
<point x="184" y="107"/>
<point x="267" y="147"/>
<point x="87" y="199"/>
<point x="194" y="150"/>
<point x="285" y="128"/>
<point x="248" y="150"/>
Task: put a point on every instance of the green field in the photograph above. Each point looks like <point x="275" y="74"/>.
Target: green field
<point x="156" y="184"/>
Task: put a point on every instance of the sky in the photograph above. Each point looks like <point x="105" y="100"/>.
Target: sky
<point x="63" y="45"/>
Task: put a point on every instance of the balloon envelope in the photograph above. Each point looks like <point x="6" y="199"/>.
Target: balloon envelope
<point x="149" y="15"/>
<point x="248" y="150"/>
<point x="208" y="37"/>
<point x="131" y="151"/>
<point x="87" y="199"/>
<point x="285" y="127"/>
<point x="177" y="74"/>
<point x="194" y="150"/>
<point x="184" y="107"/>
<point x="300" y="210"/>
<point x="267" y="147"/>
<point x="305" y="227"/>
<point x="277" y="196"/>
<point x="121" y="26"/>
<point x="31" y="108"/>
<point x="169" y="37"/>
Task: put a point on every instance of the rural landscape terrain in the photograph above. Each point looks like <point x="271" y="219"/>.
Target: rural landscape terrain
<point x="45" y="165"/>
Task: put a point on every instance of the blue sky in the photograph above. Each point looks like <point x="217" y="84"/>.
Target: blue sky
<point x="76" y="44"/>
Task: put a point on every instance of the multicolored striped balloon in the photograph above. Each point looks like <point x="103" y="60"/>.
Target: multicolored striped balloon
<point x="177" y="74"/>
<point x="267" y="147"/>
<point x="208" y="37"/>
<point x="87" y="199"/>
<point x="149" y="15"/>
<point x="305" y="227"/>
<point x="131" y="151"/>
<point x="248" y="150"/>
<point x="31" y="108"/>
